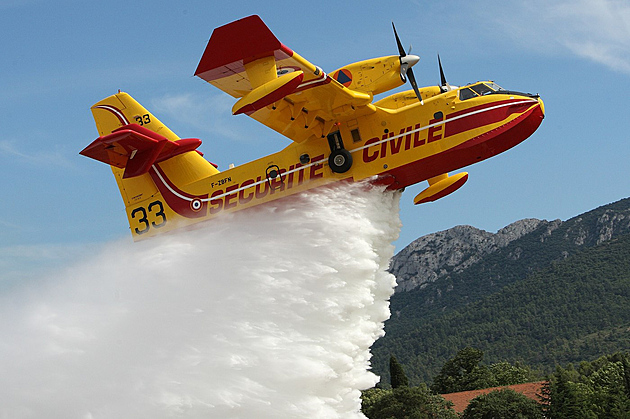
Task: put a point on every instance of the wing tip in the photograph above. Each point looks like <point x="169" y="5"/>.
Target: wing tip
<point x="240" y="41"/>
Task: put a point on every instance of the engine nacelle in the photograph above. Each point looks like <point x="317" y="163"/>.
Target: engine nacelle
<point x="374" y="76"/>
<point x="441" y="186"/>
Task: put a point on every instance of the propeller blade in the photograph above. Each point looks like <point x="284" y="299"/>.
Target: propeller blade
<point x="442" y="77"/>
<point x="401" y="50"/>
<point x="403" y="71"/>
<point x="406" y="62"/>
<point x="412" y="80"/>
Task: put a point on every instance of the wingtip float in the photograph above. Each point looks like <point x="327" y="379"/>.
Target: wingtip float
<point x="337" y="131"/>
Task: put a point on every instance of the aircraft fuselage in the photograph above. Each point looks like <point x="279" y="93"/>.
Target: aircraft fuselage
<point x="398" y="147"/>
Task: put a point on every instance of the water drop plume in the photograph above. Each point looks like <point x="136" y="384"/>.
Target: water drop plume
<point x="265" y="313"/>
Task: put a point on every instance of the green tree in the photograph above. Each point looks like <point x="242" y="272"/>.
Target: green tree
<point x="408" y="403"/>
<point x="568" y="398"/>
<point x="371" y="396"/>
<point x="507" y="374"/>
<point x="544" y="398"/>
<point x="596" y="389"/>
<point x="608" y="393"/>
<point x="502" y="404"/>
<point x="463" y="373"/>
<point x="397" y="374"/>
<point x="625" y="363"/>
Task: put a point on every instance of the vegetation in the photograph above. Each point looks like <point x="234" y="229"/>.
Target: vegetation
<point x="545" y="300"/>
<point x="531" y="253"/>
<point x="502" y="404"/>
<point x="398" y="377"/>
<point x="406" y="403"/>
<point x="575" y="309"/>
<point x="465" y="372"/>
<point x="598" y="390"/>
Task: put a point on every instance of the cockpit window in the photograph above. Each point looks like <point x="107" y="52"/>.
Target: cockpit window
<point x="466" y="93"/>
<point x="481" y="89"/>
<point x="494" y="86"/>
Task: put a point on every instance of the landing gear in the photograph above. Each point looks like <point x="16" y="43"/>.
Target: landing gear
<point x="340" y="159"/>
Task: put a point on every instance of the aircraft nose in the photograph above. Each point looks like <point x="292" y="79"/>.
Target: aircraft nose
<point x="530" y="96"/>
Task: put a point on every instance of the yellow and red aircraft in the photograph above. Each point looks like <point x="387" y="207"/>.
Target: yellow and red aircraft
<point x="337" y="131"/>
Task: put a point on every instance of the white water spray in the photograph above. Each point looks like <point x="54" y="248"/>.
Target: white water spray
<point x="268" y="313"/>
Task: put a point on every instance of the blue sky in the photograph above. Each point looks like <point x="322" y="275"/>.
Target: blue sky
<point x="58" y="58"/>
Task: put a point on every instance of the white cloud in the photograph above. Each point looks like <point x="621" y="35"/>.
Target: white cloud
<point x="9" y="225"/>
<point x="208" y="112"/>
<point x="52" y="158"/>
<point x="26" y="261"/>
<point x="598" y="30"/>
<point x="227" y="138"/>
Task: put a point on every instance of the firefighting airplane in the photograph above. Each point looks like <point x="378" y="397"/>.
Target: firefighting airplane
<point x="337" y="131"/>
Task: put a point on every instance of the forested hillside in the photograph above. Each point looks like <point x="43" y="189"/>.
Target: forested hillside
<point x="549" y="297"/>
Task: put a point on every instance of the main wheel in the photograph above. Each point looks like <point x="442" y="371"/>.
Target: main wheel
<point x="340" y="160"/>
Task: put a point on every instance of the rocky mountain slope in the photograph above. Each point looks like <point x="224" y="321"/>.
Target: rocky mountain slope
<point x="444" y="274"/>
<point x="439" y="254"/>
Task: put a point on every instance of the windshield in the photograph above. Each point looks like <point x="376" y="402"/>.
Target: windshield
<point x="479" y="89"/>
<point x="494" y="86"/>
<point x="488" y="88"/>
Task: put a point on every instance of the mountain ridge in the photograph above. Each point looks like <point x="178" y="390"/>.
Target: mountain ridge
<point x="457" y="249"/>
<point x="483" y="270"/>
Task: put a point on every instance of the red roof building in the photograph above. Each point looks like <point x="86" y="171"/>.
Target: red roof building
<point x="461" y="399"/>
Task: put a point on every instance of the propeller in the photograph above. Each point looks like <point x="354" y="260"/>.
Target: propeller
<point x="406" y="62"/>
<point x="444" y="86"/>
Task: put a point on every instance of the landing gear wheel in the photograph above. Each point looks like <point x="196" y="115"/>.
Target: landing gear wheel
<point x="340" y="160"/>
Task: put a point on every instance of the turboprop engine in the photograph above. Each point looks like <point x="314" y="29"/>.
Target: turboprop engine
<point x="378" y="75"/>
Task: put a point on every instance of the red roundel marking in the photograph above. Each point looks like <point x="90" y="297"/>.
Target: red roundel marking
<point x="344" y="77"/>
<point x="196" y="204"/>
<point x="182" y="203"/>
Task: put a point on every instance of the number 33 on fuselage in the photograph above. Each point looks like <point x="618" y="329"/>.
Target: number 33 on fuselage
<point x="338" y="132"/>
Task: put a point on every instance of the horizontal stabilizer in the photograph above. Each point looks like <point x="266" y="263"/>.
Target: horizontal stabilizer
<point x="136" y="149"/>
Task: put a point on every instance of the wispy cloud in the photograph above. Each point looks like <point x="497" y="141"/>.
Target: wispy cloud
<point x="597" y="30"/>
<point x="9" y="225"/>
<point x="50" y="158"/>
<point x="209" y="113"/>
<point x="236" y="139"/>
<point x="21" y="261"/>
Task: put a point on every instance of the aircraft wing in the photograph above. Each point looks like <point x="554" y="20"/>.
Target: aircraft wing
<point x="275" y="85"/>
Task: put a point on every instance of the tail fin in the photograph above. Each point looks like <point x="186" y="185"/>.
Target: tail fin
<point x="132" y="141"/>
